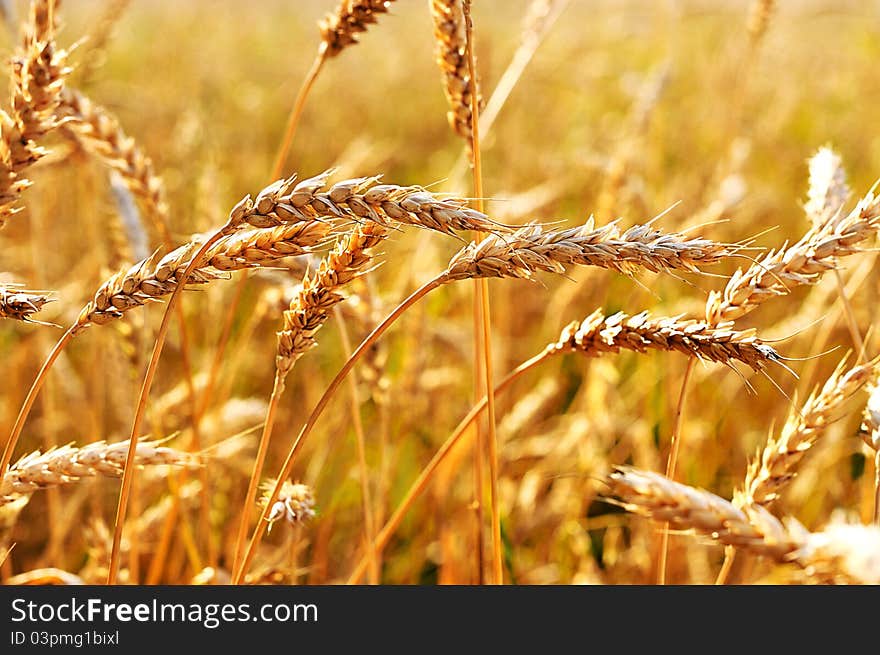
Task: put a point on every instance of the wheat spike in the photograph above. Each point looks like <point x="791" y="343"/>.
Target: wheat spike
<point x="776" y="464"/>
<point x="602" y="334"/>
<point x="358" y="199"/>
<point x="295" y="503"/>
<point x="776" y="273"/>
<point x="68" y="464"/>
<point x="828" y="190"/>
<point x="156" y="276"/>
<point x="20" y="304"/>
<point x="533" y="248"/>
<point x="309" y="308"/>
<point x="841" y="553"/>
<point x="341" y="28"/>
<point x="451" y="46"/>
<point x="39" y="68"/>
<point x="687" y="508"/>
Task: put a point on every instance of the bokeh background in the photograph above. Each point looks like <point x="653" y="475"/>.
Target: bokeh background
<point x="629" y="109"/>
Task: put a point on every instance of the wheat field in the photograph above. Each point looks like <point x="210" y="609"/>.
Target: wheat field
<point x="419" y="292"/>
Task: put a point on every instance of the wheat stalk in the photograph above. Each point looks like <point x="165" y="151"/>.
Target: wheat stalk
<point x="68" y="464"/>
<point x="776" y="463"/>
<point x="598" y="334"/>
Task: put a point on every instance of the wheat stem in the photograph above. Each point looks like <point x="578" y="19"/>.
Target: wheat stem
<point x="152" y="367"/>
<point x="671" y="463"/>
<point x="287" y="467"/>
<point x="32" y="393"/>
<point x="427" y="474"/>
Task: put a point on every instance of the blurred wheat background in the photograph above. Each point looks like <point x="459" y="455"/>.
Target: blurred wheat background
<point x="701" y="111"/>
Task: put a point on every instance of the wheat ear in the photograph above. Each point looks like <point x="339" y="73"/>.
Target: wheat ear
<point x="828" y="190"/>
<point x="352" y="17"/>
<point x="157" y="276"/>
<point x="777" y="272"/>
<point x="776" y="463"/>
<point x="68" y="464"/>
<point x="534" y="248"/>
<point x="360" y="199"/>
<point x="308" y="311"/>
<point x="38" y="72"/>
<point x="451" y="47"/>
<point x="20" y="304"/>
<point x="841" y="553"/>
<point x="598" y="334"/>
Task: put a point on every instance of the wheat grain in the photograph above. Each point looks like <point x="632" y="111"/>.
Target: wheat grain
<point x="600" y="334"/>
